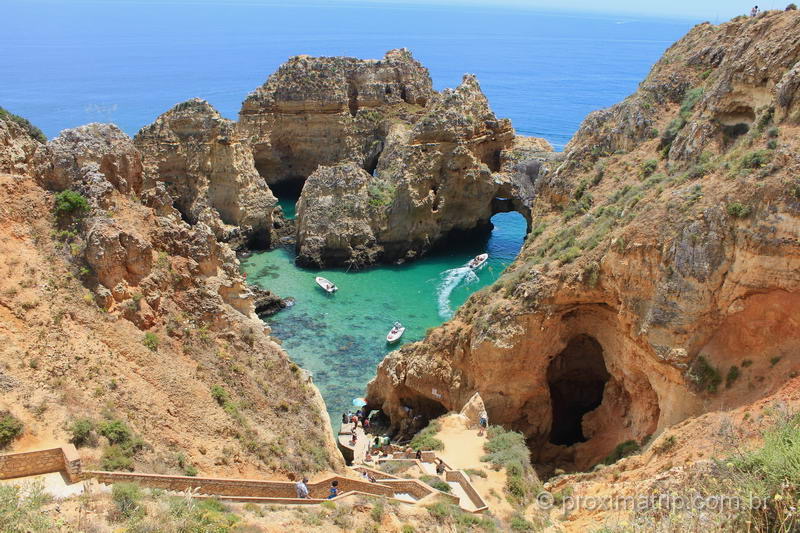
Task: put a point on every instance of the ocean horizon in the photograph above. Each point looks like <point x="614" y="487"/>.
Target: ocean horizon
<point x="127" y="62"/>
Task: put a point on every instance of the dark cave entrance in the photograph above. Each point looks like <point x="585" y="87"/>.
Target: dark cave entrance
<point x="576" y="377"/>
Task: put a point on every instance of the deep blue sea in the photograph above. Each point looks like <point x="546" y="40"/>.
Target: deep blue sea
<point x="69" y="63"/>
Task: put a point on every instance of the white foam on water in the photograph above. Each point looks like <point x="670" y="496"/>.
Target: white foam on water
<point x="450" y="280"/>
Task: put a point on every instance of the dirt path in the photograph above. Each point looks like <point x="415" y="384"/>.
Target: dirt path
<point x="463" y="449"/>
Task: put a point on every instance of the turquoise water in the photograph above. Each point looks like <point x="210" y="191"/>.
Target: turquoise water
<point x="288" y="205"/>
<point x="341" y="338"/>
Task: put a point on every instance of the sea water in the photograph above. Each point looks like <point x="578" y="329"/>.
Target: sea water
<point x="68" y="63"/>
<point x="340" y="338"/>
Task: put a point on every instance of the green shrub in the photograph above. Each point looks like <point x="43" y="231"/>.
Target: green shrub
<point x="772" y="144"/>
<point x="21" y="508"/>
<point x="624" y="449"/>
<point x="476" y="472"/>
<point x="82" y="431"/>
<point x="29" y="128"/>
<point x="10" y="428"/>
<point x="733" y="375"/>
<point x="738" y="210"/>
<point x="453" y="515"/>
<point x="671" y="132"/>
<point x="377" y="511"/>
<point x="425" y="439"/>
<point x="569" y="255"/>
<point x="116" y="431"/>
<point x="519" y="523"/>
<point x="150" y="340"/>
<point x="791" y="7"/>
<point x="190" y="470"/>
<point x="705" y="376"/>
<point x="381" y="193"/>
<point x="666" y="444"/>
<point x="407" y="529"/>
<point x="115" y="457"/>
<point x="507" y="449"/>
<point x="191" y="515"/>
<point x="437" y="483"/>
<point x="648" y="167"/>
<point x="690" y="100"/>
<point x="127" y="498"/>
<point x="69" y="203"/>
<point x="769" y="474"/>
<point x="220" y="395"/>
<point x="756" y="159"/>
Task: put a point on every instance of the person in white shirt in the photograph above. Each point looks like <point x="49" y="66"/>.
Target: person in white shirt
<point x="302" y="488"/>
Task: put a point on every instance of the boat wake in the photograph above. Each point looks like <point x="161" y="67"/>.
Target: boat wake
<point x="450" y="280"/>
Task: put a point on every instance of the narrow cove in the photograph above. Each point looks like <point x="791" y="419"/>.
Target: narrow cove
<point x="341" y="338"/>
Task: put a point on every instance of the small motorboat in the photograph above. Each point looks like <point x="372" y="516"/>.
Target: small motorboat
<point x="396" y="332"/>
<point x="478" y="261"/>
<point x="327" y="285"/>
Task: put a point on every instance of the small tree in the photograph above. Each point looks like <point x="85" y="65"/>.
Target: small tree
<point x="150" y="340"/>
<point x="127" y="497"/>
<point x="10" y="428"/>
<point x="70" y="203"/>
<point x="81" y="430"/>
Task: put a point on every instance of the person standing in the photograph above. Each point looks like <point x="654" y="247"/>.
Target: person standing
<point x="334" y="490"/>
<point x="484" y="422"/>
<point x="301" y="487"/>
<point x="754" y="11"/>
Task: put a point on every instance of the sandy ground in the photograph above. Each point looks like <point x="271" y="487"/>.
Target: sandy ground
<point x="463" y="449"/>
<point x="54" y="484"/>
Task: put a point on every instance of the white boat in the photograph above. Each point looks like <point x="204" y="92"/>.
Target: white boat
<point x="478" y="261"/>
<point x="327" y="285"/>
<point x="396" y="332"/>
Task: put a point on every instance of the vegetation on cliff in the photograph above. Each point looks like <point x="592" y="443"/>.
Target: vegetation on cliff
<point x="26" y="125"/>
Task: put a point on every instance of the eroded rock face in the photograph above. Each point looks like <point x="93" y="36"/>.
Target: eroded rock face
<point x="337" y="217"/>
<point x="208" y="170"/>
<point x="127" y="298"/>
<point x="450" y="171"/>
<point x="325" y="110"/>
<point x="648" y="292"/>
<point x="93" y="159"/>
<point x="17" y="148"/>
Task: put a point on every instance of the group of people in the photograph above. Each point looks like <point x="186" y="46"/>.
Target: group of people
<point x="755" y="11"/>
<point x="301" y="488"/>
<point x="359" y="417"/>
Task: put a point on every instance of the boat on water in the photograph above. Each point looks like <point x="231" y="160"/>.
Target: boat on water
<point x="327" y="285"/>
<point x="396" y="332"/>
<point x="478" y="261"/>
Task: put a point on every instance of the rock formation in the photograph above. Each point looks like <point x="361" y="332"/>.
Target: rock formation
<point x="660" y="279"/>
<point x="208" y="170"/>
<point x="17" y="147"/>
<point x="117" y="309"/>
<point x="435" y="176"/>
<point x="325" y="110"/>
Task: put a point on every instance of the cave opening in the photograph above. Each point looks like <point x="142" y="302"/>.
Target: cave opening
<point x="288" y="193"/>
<point x="576" y="378"/>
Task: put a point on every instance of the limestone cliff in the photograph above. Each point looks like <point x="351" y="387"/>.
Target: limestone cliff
<point x="437" y="175"/>
<point x="208" y="170"/>
<point x="325" y="110"/>
<point x="114" y="309"/>
<point x="661" y="278"/>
